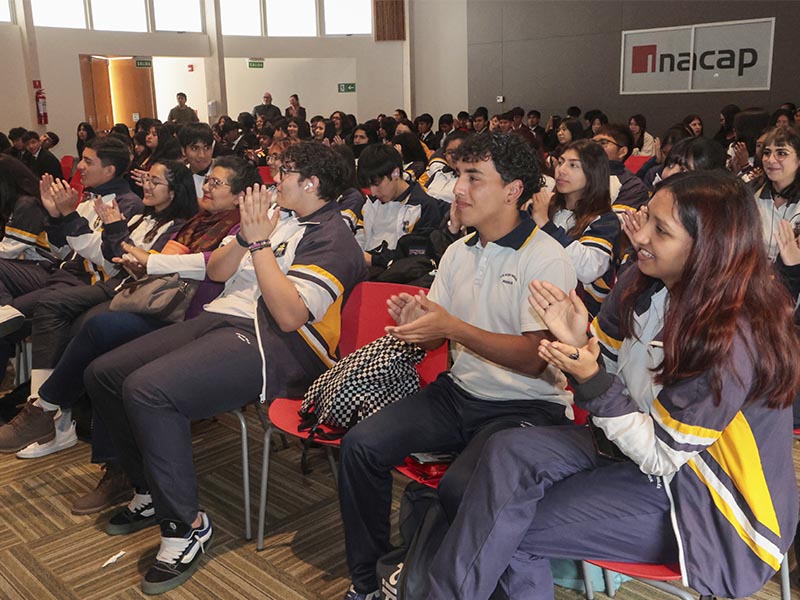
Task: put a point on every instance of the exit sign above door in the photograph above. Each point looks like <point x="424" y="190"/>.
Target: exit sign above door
<point x="345" y="88"/>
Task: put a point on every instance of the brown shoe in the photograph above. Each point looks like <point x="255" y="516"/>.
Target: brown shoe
<point x="112" y="489"/>
<point x="31" y="425"/>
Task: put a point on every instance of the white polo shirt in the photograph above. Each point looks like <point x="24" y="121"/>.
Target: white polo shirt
<point x="488" y="288"/>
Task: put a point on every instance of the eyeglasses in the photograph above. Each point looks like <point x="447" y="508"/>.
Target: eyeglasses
<point x="780" y="154"/>
<point x="153" y="181"/>
<point x="285" y="171"/>
<point x="604" y="142"/>
<point x="213" y="182"/>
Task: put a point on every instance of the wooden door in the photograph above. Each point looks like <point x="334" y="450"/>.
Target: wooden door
<point x="132" y="91"/>
<point x="96" y="91"/>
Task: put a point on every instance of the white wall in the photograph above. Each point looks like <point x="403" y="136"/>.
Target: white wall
<point x="375" y="67"/>
<point x="378" y="72"/>
<point x="439" y="80"/>
<point x="14" y="111"/>
<point x="60" y="69"/>
<point x="314" y="80"/>
<point x="172" y="75"/>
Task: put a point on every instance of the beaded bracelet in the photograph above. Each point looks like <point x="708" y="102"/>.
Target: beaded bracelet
<point x="259" y="245"/>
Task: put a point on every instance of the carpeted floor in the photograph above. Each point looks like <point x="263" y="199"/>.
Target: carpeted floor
<point x="47" y="553"/>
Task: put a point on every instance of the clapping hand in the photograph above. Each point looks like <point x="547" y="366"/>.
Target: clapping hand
<point x="565" y="315"/>
<point x="425" y="321"/>
<point x="788" y="244"/>
<point x="108" y="213"/>
<point x="58" y="198"/>
<point x="134" y="261"/>
<point x="581" y="362"/>
<point x="256" y="224"/>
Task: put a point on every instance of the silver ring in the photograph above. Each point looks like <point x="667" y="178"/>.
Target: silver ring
<point x="575" y="355"/>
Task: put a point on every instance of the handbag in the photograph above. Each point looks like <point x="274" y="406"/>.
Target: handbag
<point x="164" y="297"/>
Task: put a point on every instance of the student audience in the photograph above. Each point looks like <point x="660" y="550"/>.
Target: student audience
<point x="579" y="217"/>
<point x="676" y="349"/>
<point x="273" y="260"/>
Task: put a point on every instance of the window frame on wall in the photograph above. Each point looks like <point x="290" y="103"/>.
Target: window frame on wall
<point x="147" y="14"/>
<point x="84" y="10"/>
<point x="9" y="10"/>
<point x="151" y="7"/>
<point x="317" y="23"/>
<point x="322" y="18"/>
<point x="260" y="21"/>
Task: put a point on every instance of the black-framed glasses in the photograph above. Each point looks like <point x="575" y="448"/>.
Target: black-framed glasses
<point x="213" y="182"/>
<point x="286" y="170"/>
<point x="154" y="181"/>
<point x="604" y="142"/>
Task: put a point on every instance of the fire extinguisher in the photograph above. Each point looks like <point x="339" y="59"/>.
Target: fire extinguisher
<point x="41" y="107"/>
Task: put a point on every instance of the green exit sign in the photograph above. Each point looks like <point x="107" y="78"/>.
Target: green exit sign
<point x="345" y="88"/>
<point x="255" y="64"/>
<point x="144" y="63"/>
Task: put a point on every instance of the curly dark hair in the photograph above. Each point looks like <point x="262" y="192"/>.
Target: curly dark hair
<point x="245" y="173"/>
<point x="318" y="160"/>
<point x="512" y="156"/>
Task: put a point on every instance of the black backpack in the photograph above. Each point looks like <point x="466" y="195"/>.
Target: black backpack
<point x="403" y="572"/>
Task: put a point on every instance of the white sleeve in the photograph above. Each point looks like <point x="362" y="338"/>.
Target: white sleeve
<point x="189" y="266"/>
<point x="590" y="262"/>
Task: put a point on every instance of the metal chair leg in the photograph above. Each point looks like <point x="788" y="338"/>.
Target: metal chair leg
<point x="608" y="578"/>
<point x="248" y="534"/>
<point x="786" y="588"/>
<point x="262" y="501"/>
<point x="332" y="463"/>
<point x="587" y="581"/>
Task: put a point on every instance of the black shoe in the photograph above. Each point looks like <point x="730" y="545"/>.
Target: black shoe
<point x="179" y="555"/>
<point x="139" y="514"/>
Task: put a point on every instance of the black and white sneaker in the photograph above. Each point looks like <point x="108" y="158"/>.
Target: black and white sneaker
<point x="179" y="555"/>
<point x="139" y="513"/>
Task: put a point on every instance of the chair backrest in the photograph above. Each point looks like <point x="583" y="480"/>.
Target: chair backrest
<point x="75" y="183"/>
<point x="365" y="316"/>
<point x="634" y="163"/>
<point x="266" y="175"/>
<point x="67" y="163"/>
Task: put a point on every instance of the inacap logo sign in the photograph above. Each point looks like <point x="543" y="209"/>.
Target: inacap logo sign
<point x="735" y="55"/>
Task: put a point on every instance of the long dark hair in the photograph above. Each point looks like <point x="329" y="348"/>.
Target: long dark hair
<point x="16" y="180"/>
<point x="596" y="197"/>
<point x="641" y="121"/>
<point x="725" y="289"/>
<point x="184" y="202"/>
<point x="81" y="144"/>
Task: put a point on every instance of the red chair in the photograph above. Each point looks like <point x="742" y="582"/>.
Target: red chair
<point x="67" y="162"/>
<point x="364" y="318"/>
<point x="266" y="175"/>
<point x="658" y="576"/>
<point x="75" y="183"/>
<point x="634" y="163"/>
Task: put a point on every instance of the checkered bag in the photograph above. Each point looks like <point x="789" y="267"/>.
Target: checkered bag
<point x="362" y="383"/>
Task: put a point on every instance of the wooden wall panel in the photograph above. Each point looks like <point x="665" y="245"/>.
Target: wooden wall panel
<point x="132" y="91"/>
<point x="389" y="20"/>
<point x="101" y="85"/>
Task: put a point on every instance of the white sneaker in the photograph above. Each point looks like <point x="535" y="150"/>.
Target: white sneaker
<point x="10" y="319"/>
<point x="63" y="440"/>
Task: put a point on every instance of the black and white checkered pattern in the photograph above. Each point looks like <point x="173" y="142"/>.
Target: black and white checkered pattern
<point x="363" y="382"/>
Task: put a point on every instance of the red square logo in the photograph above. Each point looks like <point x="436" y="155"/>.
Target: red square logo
<point x="640" y="60"/>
